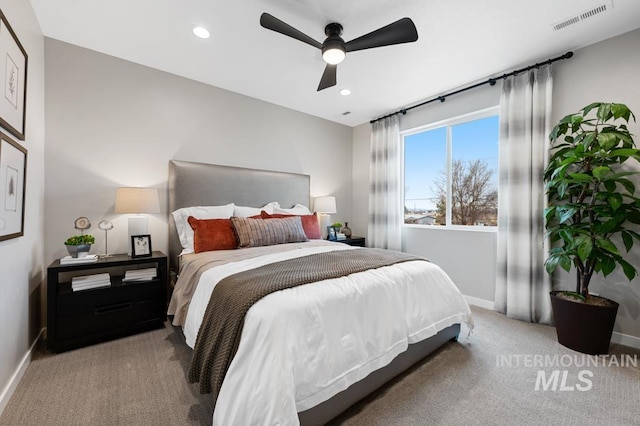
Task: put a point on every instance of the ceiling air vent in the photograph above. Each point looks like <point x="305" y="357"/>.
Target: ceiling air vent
<point x="582" y="16"/>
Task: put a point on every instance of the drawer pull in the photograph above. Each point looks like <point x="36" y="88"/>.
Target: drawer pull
<point x="112" y="308"/>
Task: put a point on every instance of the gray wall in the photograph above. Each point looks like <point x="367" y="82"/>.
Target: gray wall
<point x="607" y="71"/>
<point x="446" y="247"/>
<point x="114" y="123"/>
<point x="21" y="259"/>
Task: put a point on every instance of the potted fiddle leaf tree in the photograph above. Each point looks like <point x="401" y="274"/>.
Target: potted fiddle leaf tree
<point x="592" y="217"/>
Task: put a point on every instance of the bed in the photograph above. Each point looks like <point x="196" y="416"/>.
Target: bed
<point x="306" y="353"/>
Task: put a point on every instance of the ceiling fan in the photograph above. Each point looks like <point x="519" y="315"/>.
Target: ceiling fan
<point x="334" y="48"/>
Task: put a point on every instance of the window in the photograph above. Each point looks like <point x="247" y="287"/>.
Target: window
<point x="451" y="172"/>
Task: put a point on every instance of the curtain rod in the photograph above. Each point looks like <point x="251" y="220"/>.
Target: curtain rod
<point x="490" y="81"/>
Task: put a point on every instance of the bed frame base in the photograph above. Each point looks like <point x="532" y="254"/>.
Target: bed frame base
<point x="331" y="408"/>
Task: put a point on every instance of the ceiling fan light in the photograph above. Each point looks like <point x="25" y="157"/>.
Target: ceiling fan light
<point x="201" y="32"/>
<point x="333" y="56"/>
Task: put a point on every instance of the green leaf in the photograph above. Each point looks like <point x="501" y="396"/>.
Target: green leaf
<point x="606" y="244"/>
<point x="607" y="140"/>
<point x="634" y="216"/>
<point x="604" y="112"/>
<point x="551" y="264"/>
<point x="626" y="152"/>
<point x="588" y="140"/>
<point x="567" y="237"/>
<point x="608" y="265"/>
<point x="629" y="270"/>
<point x="600" y="172"/>
<point x="580" y="177"/>
<point x="634" y="234"/>
<point x="576" y="119"/>
<point x="566" y="213"/>
<point x="620" y="111"/>
<point x="627" y="239"/>
<point x="628" y="185"/>
<point x="585" y="247"/>
<point x="615" y="201"/>
<point x="585" y="110"/>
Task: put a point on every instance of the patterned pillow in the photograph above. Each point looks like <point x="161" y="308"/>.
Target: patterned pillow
<point x="212" y="234"/>
<point x="260" y="232"/>
<point x="309" y="224"/>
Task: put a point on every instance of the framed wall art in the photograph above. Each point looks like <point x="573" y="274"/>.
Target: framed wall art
<point x="13" y="78"/>
<point x="13" y="173"/>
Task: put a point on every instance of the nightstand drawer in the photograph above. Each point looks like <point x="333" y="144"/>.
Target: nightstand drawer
<point x="71" y="303"/>
<point x="109" y="317"/>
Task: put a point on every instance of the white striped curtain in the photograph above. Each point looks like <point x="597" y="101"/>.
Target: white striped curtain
<point x="385" y="201"/>
<point x="522" y="285"/>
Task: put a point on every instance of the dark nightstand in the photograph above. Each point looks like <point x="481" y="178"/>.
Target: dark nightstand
<point x="354" y="241"/>
<point x="80" y="318"/>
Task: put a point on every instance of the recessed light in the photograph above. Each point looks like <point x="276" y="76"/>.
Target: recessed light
<point x="201" y="32"/>
<point x="345" y="92"/>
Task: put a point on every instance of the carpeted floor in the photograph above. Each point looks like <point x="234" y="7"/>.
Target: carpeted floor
<point x="486" y="379"/>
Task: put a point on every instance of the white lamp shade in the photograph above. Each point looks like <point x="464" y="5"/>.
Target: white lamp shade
<point x="325" y="204"/>
<point x="137" y="200"/>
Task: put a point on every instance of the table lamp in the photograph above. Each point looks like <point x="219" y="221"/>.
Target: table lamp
<point x="324" y="206"/>
<point x="137" y="201"/>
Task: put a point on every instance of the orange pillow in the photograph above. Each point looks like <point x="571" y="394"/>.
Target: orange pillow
<point x="212" y="234"/>
<point x="309" y="223"/>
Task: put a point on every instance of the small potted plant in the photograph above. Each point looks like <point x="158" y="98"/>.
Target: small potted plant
<point x="79" y="245"/>
<point x="590" y="219"/>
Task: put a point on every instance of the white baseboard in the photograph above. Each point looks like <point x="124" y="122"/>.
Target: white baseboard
<point x="626" y="340"/>
<point x="8" y="390"/>
<point x="487" y="304"/>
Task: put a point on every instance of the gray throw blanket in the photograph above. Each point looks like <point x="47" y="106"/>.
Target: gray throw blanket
<point x="219" y="334"/>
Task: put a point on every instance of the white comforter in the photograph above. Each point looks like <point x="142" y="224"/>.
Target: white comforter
<point x="301" y="346"/>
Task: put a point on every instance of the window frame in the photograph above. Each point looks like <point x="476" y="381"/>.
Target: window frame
<point x="448" y="123"/>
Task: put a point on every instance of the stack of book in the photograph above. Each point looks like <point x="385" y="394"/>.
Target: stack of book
<point x="340" y="236"/>
<point x="146" y="274"/>
<point x="68" y="260"/>
<point x="86" y="282"/>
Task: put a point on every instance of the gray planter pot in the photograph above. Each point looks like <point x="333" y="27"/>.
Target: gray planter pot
<point x="78" y="251"/>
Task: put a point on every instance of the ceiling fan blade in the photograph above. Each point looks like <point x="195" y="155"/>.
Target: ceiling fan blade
<point x="401" y="31"/>
<point x="274" y="24"/>
<point x="329" y="77"/>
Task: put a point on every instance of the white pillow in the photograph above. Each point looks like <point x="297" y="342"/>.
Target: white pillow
<point x="185" y="232"/>
<point x="298" y="209"/>
<point x="242" y="211"/>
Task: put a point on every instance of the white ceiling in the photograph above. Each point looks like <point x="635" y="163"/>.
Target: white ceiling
<point x="460" y="42"/>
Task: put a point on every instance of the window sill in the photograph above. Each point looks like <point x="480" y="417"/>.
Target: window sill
<point x="490" y="229"/>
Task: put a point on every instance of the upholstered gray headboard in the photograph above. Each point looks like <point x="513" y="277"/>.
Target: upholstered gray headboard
<point x="199" y="184"/>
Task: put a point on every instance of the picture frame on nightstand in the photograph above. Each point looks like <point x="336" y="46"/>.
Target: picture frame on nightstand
<point x="332" y="234"/>
<point x="141" y="246"/>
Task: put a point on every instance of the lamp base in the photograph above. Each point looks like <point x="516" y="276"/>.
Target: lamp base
<point x="325" y="221"/>
<point x="138" y="225"/>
